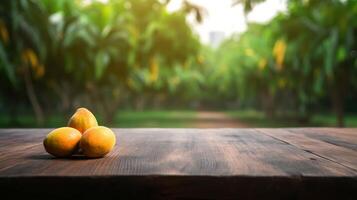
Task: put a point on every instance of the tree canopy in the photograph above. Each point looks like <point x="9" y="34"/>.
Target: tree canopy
<point x="56" y="55"/>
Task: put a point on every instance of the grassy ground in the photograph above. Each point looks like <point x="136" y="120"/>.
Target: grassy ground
<point x="178" y="119"/>
<point x="330" y="120"/>
<point x="257" y="119"/>
<point x="28" y="121"/>
<point x="164" y="119"/>
<point x="123" y="119"/>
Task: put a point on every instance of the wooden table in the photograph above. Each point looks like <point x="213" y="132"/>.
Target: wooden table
<point x="302" y="163"/>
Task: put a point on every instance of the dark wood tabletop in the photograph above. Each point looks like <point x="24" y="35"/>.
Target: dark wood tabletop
<point x="295" y="163"/>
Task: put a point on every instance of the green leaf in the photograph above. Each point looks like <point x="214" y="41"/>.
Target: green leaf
<point x="101" y="63"/>
<point x="331" y="45"/>
<point x="318" y="84"/>
<point x="341" y="54"/>
<point x="8" y="68"/>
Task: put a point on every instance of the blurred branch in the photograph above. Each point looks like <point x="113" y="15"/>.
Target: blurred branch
<point x="247" y="4"/>
<point x="32" y="96"/>
<point x="197" y="10"/>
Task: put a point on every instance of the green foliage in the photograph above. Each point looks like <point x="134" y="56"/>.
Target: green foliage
<point x="56" y="55"/>
<point x="293" y="62"/>
<point x="89" y="53"/>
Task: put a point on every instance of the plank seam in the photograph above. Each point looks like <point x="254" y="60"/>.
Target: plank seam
<point x="308" y="134"/>
<point x="306" y="150"/>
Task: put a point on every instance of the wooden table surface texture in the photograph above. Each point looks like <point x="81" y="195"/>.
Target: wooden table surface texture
<point x="294" y="152"/>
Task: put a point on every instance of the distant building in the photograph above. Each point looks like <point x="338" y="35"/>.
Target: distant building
<point x="215" y="38"/>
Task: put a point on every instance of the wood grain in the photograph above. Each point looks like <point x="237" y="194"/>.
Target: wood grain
<point x="317" y="145"/>
<point x="192" y="163"/>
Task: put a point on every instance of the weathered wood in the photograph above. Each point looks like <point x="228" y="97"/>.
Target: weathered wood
<point x="189" y="163"/>
<point x="343" y="137"/>
<point x="317" y="145"/>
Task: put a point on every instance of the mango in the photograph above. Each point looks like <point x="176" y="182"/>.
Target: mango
<point x="62" y="142"/>
<point x="82" y="120"/>
<point x="97" y="142"/>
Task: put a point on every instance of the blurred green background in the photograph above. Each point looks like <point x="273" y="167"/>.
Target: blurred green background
<point x="136" y="64"/>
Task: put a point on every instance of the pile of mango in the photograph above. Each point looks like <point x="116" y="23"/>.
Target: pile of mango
<point x="82" y="135"/>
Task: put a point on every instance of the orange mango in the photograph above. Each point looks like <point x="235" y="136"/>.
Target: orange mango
<point x="97" y="142"/>
<point x="62" y="142"/>
<point x="82" y="120"/>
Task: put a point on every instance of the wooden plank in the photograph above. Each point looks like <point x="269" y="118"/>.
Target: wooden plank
<point x="226" y="152"/>
<point x="15" y="143"/>
<point x="339" y="132"/>
<point x="310" y="143"/>
<point x="151" y="152"/>
<point x="179" y="164"/>
<point x="344" y="137"/>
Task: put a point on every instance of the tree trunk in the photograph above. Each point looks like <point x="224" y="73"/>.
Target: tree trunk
<point x="33" y="98"/>
<point x="60" y="90"/>
<point x="339" y="87"/>
<point x="268" y="104"/>
<point x="110" y="109"/>
<point x="338" y="106"/>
